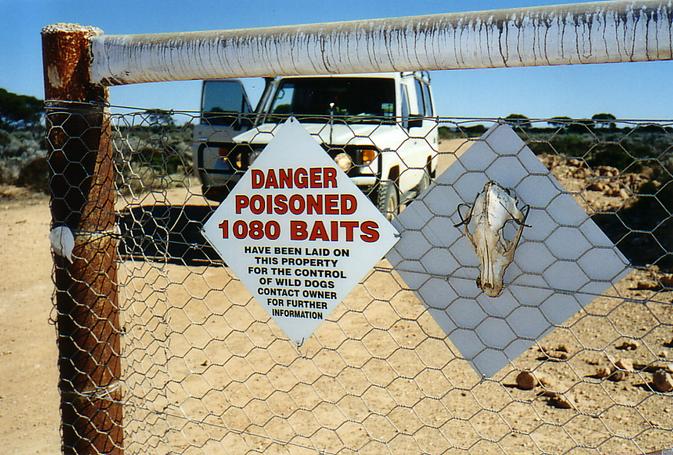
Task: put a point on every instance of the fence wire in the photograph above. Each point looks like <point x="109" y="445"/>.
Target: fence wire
<point x="205" y="370"/>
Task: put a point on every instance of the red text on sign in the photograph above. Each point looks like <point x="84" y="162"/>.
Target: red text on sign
<point x="315" y="177"/>
<point x="297" y="204"/>
<point x="255" y="230"/>
<point x="334" y="231"/>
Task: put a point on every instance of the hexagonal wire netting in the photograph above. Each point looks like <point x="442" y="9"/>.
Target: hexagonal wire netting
<point x="205" y="370"/>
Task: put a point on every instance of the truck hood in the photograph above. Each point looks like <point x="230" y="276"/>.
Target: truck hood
<point x="381" y="135"/>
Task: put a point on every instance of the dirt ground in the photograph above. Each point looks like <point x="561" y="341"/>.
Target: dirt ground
<point x="29" y="416"/>
<point x="378" y="376"/>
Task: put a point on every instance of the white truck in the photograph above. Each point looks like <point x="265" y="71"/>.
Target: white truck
<point x="379" y="128"/>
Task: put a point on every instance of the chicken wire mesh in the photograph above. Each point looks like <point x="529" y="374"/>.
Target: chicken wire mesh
<point x="203" y="368"/>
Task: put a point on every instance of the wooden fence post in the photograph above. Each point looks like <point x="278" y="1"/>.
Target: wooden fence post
<point x="82" y="200"/>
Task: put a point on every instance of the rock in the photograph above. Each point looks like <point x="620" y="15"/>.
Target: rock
<point x="607" y="171"/>
<point x="666" y="281"/>
<point x="653" y="268"/>
<point x="558" y="353"/>
<point x="625" y="364"/>
<point x="624" y="194"/>
<point x="648" y="285"/>
<point x="652" y="367"/>
<point x="622" y="370"/>
<point x="526" y="380"/>
<point x="602" y="372"/>
<point x="619" y="375"/>
<point x="662" y="354"/>
<point x="544" y="381"/>
<point x="561" y="401"/>
<point x="612" y="191"/>
<point x="581" y="174"/>
<point x="597" y="186"/>
<point x="629" y="345"/>
<point x="663" y="382"/>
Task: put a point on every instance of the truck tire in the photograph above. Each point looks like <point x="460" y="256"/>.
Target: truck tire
<point x="388" y="200"/>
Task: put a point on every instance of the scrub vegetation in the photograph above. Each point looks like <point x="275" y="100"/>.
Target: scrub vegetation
<point x="630" y="162"/>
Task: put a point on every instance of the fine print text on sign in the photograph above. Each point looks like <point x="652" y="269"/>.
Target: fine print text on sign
<point x="297" y="232"/>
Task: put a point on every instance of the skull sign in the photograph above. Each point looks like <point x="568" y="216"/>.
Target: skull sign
<point x="489" y="220"/>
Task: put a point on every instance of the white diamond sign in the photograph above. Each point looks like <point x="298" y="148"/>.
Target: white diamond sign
<point x="297" y="231"/>
<point x="563" y="261"/>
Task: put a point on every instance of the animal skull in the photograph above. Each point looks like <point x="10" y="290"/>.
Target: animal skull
<point x="485" y="225"/>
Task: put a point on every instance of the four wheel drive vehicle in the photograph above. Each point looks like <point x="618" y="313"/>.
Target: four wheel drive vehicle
<point x="378" y="128"/>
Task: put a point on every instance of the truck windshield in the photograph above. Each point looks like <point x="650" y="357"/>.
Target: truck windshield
<point x="356" y="99"/>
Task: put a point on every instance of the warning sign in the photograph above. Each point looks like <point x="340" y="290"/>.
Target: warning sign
<point x="298" y="232"/>
<point x="562" y="263"/>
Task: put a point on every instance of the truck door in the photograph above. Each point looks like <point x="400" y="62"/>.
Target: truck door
<point x="417" y="148"/>
<point x="225" y="112"/>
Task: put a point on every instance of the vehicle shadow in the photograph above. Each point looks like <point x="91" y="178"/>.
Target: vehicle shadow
<point x="166" y="233"/>
<point x="172" y="234"/>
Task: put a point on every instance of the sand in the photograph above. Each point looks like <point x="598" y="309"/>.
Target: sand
<point x="206" y="371"/>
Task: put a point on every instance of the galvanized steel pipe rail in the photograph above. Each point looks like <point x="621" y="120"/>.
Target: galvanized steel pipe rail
<point x="601" y="32"/>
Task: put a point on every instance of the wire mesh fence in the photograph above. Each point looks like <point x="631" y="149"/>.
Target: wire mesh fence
<point x="203" y="368"/>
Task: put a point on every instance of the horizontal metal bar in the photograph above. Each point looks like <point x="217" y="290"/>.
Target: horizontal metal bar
<point x="601" y="32"/>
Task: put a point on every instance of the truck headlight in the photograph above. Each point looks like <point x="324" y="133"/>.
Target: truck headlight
<point x="238" y="156"/>
<point x="344" y="161"/>
<point x="368" y="155"/>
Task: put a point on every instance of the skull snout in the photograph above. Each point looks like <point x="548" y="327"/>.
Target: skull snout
<point x="490" y="278"/>
<point x="492" y="263"/>
<point x="490" y="289"/>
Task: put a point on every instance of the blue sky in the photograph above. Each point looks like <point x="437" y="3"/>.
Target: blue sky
<point x="629" y="90"/>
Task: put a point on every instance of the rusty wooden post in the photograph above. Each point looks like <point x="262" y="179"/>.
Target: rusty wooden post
<point x="82" y="199"/>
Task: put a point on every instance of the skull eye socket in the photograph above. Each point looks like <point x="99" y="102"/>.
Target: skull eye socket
<point x="508" y="233"/>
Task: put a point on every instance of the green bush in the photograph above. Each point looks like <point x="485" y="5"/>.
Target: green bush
<point x="461" y="131"/>
<point x="607" y="148"/>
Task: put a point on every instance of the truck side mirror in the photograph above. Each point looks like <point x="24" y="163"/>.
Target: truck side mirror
<point x="225" y="103"/>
